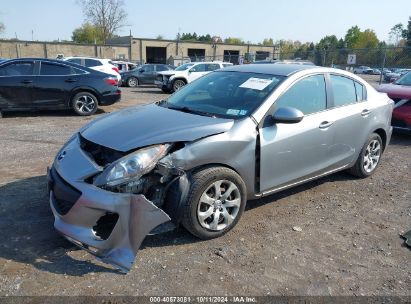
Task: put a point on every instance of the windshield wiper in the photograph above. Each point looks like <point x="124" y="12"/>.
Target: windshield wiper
<point x="186" y="109"/>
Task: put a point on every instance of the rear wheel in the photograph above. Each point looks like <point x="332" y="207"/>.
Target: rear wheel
<point x="215" y="202"/>
<point x="369" y="158"/>
<point x="84" y="103"/>
<point x="178" y="84"/>
<point x="132" y="82"/>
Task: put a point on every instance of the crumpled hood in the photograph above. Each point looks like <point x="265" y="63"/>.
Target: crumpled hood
<point x="137" y="127"/>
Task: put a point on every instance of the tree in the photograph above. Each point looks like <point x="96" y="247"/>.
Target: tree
<point x="234" y="40"/>
<point x="160" y="37"/>
<point x="396" y="33"/>
<point x="2" y="27"/>
<point x="352" y="36"/>
<point x="328" y="42"/>
<point x="366" y="39"/>
<point x="407" y="33"/>
<point x="107" y="15"/>
<point x="268" y="42"/>
<point x="87" y="33"/>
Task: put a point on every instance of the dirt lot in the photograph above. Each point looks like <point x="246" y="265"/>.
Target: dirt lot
<point x="349" y="244"/>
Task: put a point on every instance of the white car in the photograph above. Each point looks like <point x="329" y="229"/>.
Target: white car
<point x="102" y="65"/>
<point x="171" y="81"/>
<point x="363" y="70"/>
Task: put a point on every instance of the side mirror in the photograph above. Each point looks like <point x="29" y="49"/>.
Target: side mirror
<point x="288" y="115"/>
<point x="141" y="70"/>
<point x="190" y="71"/>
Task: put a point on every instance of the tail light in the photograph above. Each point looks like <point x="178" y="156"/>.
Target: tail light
<point x="111" y="81"/>
<point x="116" y="69"/>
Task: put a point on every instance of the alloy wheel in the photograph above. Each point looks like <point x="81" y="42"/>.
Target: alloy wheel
<point x="372" y="155"/>
<point x="219" y="205"/>
<point x="85" y="104"/>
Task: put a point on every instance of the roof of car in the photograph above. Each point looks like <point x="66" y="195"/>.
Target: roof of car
<point x="269" y="68"/>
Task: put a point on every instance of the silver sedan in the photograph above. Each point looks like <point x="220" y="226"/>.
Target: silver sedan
<point x="196" y="158"/>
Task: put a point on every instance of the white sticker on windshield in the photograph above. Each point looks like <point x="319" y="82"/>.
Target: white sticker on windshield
<point x="256" y="83"/>
<point x="233" y="112"/>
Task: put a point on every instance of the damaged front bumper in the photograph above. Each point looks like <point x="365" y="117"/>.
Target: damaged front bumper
<point x="109" y="225"/>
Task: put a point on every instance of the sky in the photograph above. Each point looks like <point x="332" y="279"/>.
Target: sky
<point x="251" y="20"/>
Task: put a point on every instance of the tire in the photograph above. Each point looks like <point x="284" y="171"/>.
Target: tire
<point x="201" y="208"/>
<point x="178" y="84"/>
<point x="132" y="82"/>
<point x="369" y="158"/>
<point x="84" y="103"/>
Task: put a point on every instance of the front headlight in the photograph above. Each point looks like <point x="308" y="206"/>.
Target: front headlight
<point x="132" y="166"/>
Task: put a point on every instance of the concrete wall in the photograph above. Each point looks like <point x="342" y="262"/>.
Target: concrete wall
<point x="134" y="51"/>
<point x="19" y="49"/>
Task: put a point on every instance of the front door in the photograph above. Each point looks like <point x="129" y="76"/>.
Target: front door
<point x="292" y="152"/>
<point x="16" y="84"/>
<point x="53" y="85"/>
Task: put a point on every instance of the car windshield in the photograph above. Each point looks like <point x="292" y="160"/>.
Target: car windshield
<point x="224" y="94"/>
<point x="404" y="80"/>
<point x="184" y="66"/>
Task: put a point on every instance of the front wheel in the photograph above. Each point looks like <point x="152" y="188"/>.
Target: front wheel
<point x="215" y="202"/>
<point x="84" y="103"/>
<point x="369" y="158"/>
<point x="178" y="84"/>
<point x="132" y="82"/>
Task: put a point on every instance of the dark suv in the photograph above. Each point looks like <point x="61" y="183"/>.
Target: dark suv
<point x="145" y="74"/>
<point x="30" y="83"/>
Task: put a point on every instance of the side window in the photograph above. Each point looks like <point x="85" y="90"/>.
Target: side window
<point x="212" y="67"/>
<point x="148" y="68"/>
<point x="360" y="91"/>
<point x="160" y="68"/>
<point x="307" y="95"/>
<point x="50" y="69"/>
<point x="17" y="69"/>
<point x="343" y="90"/>
<point x="75" y="60"/>
<point x="91" y="63"/>
<point x="198" y="68"/>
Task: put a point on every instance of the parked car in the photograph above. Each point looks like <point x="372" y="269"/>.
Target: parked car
<point x="38" y="84"/>
<point x="363" y="70"/>
<point x="171" y="81"/>
<point x="195" y="158"/>
<point x="124" y="66"/>
<point x="102" y="65"/>
<point x="396" y="74"/>
<point x="400" y="92"/>
<point x="145" y="74"/>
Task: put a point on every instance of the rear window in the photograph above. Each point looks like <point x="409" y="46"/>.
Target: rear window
<point x="344" y="90"/>
<point x="50" y="69"/>
<point x="91" y="63"/>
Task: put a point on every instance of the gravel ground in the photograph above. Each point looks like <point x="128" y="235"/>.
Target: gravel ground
<point x="349" y="243"/>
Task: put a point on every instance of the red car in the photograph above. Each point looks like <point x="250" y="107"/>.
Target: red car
<point x="400" y="92"/>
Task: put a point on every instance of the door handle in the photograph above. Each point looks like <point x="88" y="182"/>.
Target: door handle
<point x="365" y="112"/>
<point x="325" y="124"/>
<point x="27" y="81"/>
<point x="70" y="80"/>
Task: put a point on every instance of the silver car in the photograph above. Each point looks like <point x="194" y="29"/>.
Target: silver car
<point x="196" y="158"/>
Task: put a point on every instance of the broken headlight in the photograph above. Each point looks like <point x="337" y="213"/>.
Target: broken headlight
<point x="132" y="166"/>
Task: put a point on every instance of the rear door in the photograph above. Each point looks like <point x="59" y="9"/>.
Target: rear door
<point x="351" y="115"/>
<point x="16" y="84"/>
<point x="54" y="84"/>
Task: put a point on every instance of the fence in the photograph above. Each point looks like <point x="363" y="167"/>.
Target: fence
<point x="380" y="59"/>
